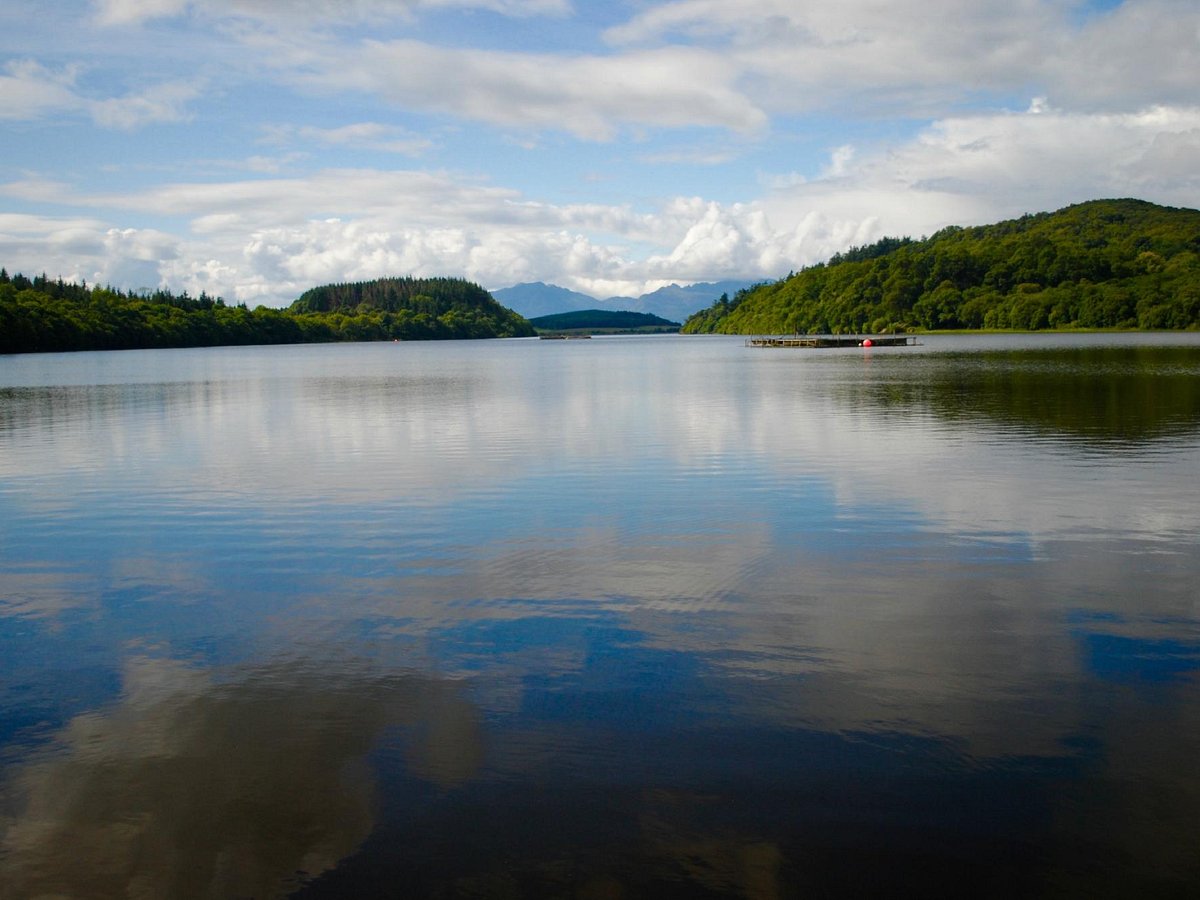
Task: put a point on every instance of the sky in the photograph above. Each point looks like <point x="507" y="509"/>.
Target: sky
<point x="255" y="148"/>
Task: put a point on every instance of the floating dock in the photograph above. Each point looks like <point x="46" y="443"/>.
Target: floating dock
<point x="834" y="340"/>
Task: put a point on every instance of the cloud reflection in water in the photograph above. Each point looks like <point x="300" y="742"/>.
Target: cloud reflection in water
<point x="626" y="615"/>
<point x="209" y="783"/>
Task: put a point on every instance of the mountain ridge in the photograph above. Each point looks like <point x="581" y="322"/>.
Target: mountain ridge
<point x="674" y="302"/>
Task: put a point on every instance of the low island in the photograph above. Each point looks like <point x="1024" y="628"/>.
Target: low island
<point x="586" y="322"/>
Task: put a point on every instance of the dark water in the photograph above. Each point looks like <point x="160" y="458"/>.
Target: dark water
<point x="644" y="617"/>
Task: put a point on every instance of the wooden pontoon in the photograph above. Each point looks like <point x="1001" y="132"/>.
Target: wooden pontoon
<point x="832" y="340"/>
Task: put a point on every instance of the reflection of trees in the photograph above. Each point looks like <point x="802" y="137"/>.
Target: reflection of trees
<point x="1100" y="395"/>
<point x="194" y="787"/>
<point x="722" y="863"/>
<point x="1134" y="823"/>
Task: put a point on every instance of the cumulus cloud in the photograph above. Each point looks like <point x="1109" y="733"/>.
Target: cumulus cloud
<point x="286" y="261"/>
<point x="1103" y="94"/>
<point x="87" y="249"/>
<point x="267" y="239"/>
<point x="973" y="169"/>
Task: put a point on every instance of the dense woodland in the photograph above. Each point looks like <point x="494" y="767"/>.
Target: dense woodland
<point x="603" y="320"/>
<point x="40" y="314"/>
<point x="1103" y="264"/>
<point x="411" y="309"/>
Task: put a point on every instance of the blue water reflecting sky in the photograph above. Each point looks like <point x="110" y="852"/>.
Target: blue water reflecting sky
<point x="675" y="613"/>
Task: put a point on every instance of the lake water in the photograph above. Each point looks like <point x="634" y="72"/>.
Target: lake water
<point x="628" y="617"/>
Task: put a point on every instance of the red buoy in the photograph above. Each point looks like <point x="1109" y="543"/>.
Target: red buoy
<point x="868" y="343"/>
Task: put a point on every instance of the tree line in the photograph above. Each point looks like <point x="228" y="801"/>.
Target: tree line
<point x="1103" y="264"/>
<point x="40" y="315"/>
<point x="613" y="319"/>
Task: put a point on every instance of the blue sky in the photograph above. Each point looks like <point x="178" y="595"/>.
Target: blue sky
<point x="255" y="148"/>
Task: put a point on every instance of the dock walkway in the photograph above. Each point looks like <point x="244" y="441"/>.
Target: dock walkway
<point x="831" y="340"/>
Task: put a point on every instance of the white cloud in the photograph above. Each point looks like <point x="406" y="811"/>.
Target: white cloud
<point x="121" y="12"/>
<point x="972" y="170"/>
<point x="91" y="250"/>
<point x="24" y="240"/>
<point x="1007" y="164"/>
<point x="378" y="198"/>
<point x="897" y="60"/>
<point x="750" y="240"/>
<point x="590" y="97"/>
<point x="160" y="103"/>
<point x="697" y="156"/>
<point x="964" y="170"/>
<point x="720" y="64"/>
<point x="813" y="55"/>
<point x="358" y="135"/>
<point x="290" y="12"/>
<point x="266" y="165"/>
<point x="267" y="239"/>
<point x="1145" y="52"/>
<point x="287" y="261"/>
<point x="29" y="90"/>
<point x="839" y="161"/>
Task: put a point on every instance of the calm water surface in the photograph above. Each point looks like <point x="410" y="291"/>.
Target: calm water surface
<point x="630" y="617"/>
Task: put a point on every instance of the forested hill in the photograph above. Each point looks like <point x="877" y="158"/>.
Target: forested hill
<point x="603" y="320"/>
<point x="435" y="295"/>
<point x="426" y="306"/>
<point x="41" y="314"/>
<point x="1101" y="264"/>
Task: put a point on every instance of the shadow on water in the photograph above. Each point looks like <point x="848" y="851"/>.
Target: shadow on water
<point x="1099" y="397"/>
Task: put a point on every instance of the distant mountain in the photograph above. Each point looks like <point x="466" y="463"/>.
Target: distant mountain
<point x="677" y="302"/>
<point x="540" y="299"/>
<point x="673" y="302"/>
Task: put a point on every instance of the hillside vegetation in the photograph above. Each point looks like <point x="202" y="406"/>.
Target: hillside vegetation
<point x="603" y="320"/>
<point x="415" y="308"/>
<point x="39" y="314"/>
<point x="1101" y="264"/>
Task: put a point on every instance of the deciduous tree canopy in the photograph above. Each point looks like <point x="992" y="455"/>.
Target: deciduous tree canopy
<point x="1102" y="264"/>
<point x="603" y="319"/>
<point x="43" y="315"/>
